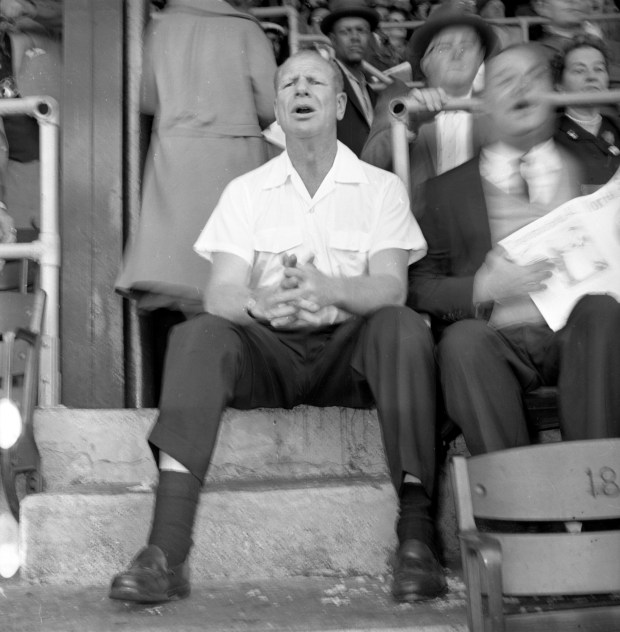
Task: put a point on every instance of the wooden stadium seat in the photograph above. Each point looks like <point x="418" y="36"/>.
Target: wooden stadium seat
<point x="540" y="526"/>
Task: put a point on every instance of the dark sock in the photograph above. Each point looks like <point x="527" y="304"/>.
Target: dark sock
<point x="415" y="521"/>
<point x="173" y="518"/>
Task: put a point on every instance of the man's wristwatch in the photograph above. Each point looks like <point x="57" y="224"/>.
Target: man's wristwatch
<point x="250" y="304"/>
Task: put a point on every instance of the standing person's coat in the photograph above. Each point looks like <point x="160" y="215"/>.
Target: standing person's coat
<point x="208" y="79"/>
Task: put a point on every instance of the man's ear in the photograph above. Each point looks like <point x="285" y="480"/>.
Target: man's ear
<point x="341" y="105"/>
<point x="540" y="8"/>
<point x="423" y="64"/>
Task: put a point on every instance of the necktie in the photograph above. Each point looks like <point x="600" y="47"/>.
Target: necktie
<point x="524" y="188"/>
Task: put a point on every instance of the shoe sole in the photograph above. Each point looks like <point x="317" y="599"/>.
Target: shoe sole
<point x="123" y="593"/>
<point x="413" y="596"/>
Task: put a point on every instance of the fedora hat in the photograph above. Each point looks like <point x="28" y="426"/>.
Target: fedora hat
<point x="349" y="9"/>
<point x="441" y="18"/>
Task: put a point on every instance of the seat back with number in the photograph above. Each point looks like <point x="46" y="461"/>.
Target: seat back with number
<point x="569" y="484"/>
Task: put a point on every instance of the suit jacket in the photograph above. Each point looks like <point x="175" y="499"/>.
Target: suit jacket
<point x="423" y="152"/>
<point x="353" y="129"/>
<point x="455" y="225"/>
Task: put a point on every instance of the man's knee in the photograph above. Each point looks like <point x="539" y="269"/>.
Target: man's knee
<point x="596" y="310"/>
<point x="401" y="322"/>
<point x="463" y="341"/>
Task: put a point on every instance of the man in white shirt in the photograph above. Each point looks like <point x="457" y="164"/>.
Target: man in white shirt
<point x="494" y="344"/>
<point x="449" y="50"/>
<point x="305" y="304"/>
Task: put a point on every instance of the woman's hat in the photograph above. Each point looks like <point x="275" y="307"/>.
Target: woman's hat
<point x="349" y="9"/>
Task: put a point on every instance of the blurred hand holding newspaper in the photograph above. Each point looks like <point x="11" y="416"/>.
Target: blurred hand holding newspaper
<point x="582" y="239"/>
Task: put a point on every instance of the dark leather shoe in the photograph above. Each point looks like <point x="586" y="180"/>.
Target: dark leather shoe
<point x="417" y="573"/>
<point x="149" y="580"/>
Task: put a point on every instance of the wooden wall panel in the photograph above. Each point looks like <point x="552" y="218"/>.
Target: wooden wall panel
<point x="91" y="314"/>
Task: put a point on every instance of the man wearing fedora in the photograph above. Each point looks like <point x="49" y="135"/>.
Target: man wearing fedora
<point x="349" y="26"/>
<point x="448" y="49"/>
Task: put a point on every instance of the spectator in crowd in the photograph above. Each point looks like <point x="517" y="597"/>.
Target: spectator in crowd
<point x="567" y="18"/>
<point x="277" y="35"/>
<point x="486" y="366"/>
<point x="449" y="49"/>
<point x="208" y="79"/>
<point x="398" y="37"/>
<point x="30" y="64"/>
<point x="594" y="136"/>
<point x="315" y="19"/>
<point x="7" y="223"/>
<point x="349" y="26"/>
<point x="291" y="320"/>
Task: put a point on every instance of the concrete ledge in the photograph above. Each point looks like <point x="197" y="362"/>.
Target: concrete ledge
<point x="334" y="529"/>
<point x="85" y="447"/>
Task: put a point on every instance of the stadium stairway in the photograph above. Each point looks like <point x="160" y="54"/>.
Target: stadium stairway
<point x="298" y="511"/>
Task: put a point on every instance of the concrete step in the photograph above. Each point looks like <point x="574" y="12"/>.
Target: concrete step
<point x="92" y="447"/>
<point x="315" y="604"/>
<point x="251" y="532"/>
<point x="289" y="493"/>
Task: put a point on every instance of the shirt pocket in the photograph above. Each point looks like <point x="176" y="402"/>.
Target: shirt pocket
<point x="349" y="251"/>
<point x="269" y="246"/>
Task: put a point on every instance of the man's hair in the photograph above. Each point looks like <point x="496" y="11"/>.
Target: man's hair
<point x="337" y="79"/>
<point x="558" y="63"/>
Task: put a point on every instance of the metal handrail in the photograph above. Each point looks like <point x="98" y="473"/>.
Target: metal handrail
<point x="524" y="22"/>
<point x="292" y="16"/>
<point x="401" y="107"/>
<point x="46" y="249"/>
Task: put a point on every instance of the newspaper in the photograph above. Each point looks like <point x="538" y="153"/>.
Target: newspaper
<point x="582" y="239"/>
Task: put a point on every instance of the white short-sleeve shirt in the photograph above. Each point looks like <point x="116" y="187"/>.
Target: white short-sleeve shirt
<point x="357" y="211"/>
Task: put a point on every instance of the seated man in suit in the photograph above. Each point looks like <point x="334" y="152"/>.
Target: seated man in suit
<point x="449" y="49"/>
<point x="349" y="26"/>
<point x="486" y="366"/>
<point x="305" y="304"/>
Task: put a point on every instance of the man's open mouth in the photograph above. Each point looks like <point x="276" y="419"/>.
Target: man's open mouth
<point x="303" y="109"/>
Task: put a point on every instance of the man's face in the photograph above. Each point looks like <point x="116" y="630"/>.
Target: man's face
<point x="350" y="38"/>
<point x="452" y="59"/>
<point x="563" y="13"/>
<point x="513" y="77"/>
<point x="307" y="101"/>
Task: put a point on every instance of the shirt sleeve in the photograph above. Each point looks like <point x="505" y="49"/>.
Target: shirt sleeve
<point x="396" y="227"/>
<point x="230" y="227"/>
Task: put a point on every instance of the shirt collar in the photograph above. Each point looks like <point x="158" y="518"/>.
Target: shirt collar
<point x="361" y="82"/>
<point x="346" y="168"/>
<point x="501" y="153"/>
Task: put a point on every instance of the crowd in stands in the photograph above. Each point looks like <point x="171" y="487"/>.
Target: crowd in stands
<point x="312" y="260"/>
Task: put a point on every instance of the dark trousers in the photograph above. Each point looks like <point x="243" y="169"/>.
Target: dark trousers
<point x="484" y="374"/>
<point x="386" y="359"/>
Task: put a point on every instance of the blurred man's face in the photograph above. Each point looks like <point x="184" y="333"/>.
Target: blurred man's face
<point x="308" y="103"/>
<point x="452" y="59"/>
<point x="350" y="38"/>
<point x="563" y="13"/>
<point x="512" y="78"/>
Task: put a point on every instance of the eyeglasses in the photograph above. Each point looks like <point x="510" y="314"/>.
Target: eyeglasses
<point x="446" y="49"/>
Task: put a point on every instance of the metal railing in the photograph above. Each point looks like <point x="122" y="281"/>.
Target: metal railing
<point x="400" y="108"/>
<point x="524" y="22"/>
<point x="46" y="248"/>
